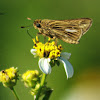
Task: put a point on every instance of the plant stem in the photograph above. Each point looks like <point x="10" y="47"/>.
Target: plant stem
<point x="43" y="79"/>
<point x="14" y="92"/>
<point x="41" y="85"/>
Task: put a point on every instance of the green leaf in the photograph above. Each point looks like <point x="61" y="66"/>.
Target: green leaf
<point x="47" y="94"/>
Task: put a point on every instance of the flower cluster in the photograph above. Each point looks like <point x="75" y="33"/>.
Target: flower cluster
<point x="9" y="77"/>
<point x="31" y="78"/>
<point x="48" y="52"/>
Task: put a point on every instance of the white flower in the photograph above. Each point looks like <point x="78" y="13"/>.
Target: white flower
<point x="33" y="51"/>
<point x="67" y="65"/>
<point x="45" y="67"/>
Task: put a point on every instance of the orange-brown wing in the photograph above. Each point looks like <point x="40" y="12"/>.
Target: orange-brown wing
<point x="69" y="31"/>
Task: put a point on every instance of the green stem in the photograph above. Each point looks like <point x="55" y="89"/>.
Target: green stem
<point x="14" y="92"/>
<point x="41" y="85"/>
<point x="43" y="79"/>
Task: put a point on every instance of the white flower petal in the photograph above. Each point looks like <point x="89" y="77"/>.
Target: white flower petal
<point x="68" y="67"/>
<point x="65" y="55"/>
<point x="33" y="51"/>
<point x="44" y="65"/>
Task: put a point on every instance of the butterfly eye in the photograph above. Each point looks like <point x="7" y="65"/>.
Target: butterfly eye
<point x="38" y="25"/>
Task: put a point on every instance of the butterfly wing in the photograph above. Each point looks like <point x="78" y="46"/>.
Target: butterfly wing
<point x="69" y="31"/>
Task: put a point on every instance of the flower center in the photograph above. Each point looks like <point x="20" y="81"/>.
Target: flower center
<point x="47" y="50"/>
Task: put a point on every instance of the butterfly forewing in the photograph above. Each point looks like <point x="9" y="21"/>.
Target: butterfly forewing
<point x="69" y="31"/>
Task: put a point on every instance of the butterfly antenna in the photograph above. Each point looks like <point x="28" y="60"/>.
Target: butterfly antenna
<point x="29" y="33"/>
<point x="31" y="26"/>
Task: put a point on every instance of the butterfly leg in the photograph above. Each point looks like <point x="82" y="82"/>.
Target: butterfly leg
<point x="56" y="40"/>
<point x="44" y="39"/>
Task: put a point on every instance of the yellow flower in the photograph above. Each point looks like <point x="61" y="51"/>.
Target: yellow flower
<point x="47" y="50"/>
<point x="30" y="78"/>
<point x="50" y="52"/>
<point x="9" y="77"/>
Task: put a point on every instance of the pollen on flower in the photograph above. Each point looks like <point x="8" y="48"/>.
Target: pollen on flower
<point x="47" y="50"/>
<point x="9" y="77"/>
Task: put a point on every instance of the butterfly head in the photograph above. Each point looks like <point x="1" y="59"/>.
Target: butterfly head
<point x="37" y="23"/>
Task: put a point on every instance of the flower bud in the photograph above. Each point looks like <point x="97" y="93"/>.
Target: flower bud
<point x="31" y="78"/>
<point x="34" y="91"/>
<point x="9" y="77"/>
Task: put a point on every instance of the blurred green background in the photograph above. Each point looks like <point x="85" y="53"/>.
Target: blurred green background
<point x="15" y="47"/>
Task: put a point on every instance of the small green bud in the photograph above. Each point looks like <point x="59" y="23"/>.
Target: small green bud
<point x="34" y="91"/>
